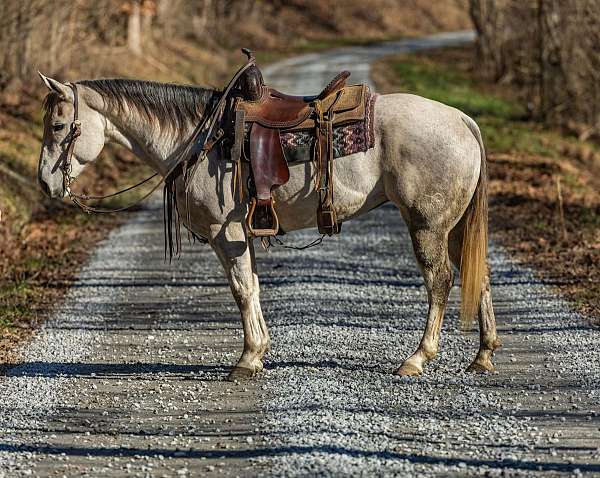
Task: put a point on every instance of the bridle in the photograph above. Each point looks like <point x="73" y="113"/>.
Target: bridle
<point x="206" y="128"/>
<point x="74" y="133"/>
<point x="66" y="168"/>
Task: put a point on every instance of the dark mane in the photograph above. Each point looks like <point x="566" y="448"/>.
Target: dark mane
<point x="176" y="105"/>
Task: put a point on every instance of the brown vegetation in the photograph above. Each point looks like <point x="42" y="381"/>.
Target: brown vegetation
<point x="59" y="36"/>
<point x="547" y="214"/>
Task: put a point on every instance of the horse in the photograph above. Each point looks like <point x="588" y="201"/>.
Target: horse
<point x="428" y="160"/>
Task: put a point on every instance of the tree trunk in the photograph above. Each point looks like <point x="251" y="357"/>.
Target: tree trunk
<point x="486" y="17"/>
<point x="134" y="29"/>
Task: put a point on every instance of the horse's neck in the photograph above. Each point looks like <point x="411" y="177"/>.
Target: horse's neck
<point x="154" y="145"/>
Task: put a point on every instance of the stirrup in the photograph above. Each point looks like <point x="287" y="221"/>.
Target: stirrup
<point x="261" y="232"/>
<point x="327" y="221"/>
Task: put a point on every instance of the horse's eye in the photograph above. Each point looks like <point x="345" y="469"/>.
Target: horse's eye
<point x="58" y="126"/>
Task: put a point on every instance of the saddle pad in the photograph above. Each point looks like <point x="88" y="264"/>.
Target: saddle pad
<point x="351" y="138"/>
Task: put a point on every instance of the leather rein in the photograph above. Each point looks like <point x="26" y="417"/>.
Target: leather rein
<point x="206" y="127"/>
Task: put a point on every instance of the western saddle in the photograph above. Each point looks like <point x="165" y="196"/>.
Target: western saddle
<point x="262" y="114"/>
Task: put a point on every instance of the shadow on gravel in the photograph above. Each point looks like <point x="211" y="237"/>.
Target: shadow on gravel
<point x="109" y="282"/>
<point x="327" y="364"/>
<point x="333" y="278"/>
<point x="309" y="450"/>
<point x="516" y="329"/>
<point x="52" y="370"/>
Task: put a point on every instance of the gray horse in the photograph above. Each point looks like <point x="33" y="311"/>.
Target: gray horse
<point x="428" y="160"/>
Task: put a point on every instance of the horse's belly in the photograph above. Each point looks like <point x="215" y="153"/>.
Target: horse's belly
<point x="357" y="188"/>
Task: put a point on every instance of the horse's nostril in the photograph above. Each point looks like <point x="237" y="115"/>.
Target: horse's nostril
<point x="45" y="187"/>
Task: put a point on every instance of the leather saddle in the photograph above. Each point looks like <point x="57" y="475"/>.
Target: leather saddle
<point x="266" y="113"/>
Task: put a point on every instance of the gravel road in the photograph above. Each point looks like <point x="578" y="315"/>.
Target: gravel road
<point x="127" y="379"/>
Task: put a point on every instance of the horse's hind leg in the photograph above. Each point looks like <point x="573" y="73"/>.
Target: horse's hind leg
<point x="488" y="339"/>
<point x="236" y="254"/>
<point x="431" y="251"/>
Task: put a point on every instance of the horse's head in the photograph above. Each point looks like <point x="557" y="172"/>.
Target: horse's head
<point x="58" y="135"/>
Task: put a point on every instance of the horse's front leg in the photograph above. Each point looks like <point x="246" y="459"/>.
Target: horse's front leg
<point x="236" y="253"/>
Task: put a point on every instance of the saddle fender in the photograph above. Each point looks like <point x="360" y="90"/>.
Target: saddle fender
<point x="268" y="163"/>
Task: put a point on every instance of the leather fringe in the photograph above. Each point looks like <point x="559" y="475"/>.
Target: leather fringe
<point x="171" y="217"/>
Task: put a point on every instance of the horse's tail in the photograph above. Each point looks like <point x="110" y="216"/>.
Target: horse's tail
<point x="473" y="262"/>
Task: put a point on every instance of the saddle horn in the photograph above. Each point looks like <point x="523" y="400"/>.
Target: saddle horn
<point x="248" y="53"/>
<point x="251" y="82"/>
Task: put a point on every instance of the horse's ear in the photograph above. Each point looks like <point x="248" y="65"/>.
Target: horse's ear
<point x="54" y="85"/>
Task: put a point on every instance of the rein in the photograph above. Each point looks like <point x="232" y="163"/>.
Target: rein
<point x="206" y="126"/>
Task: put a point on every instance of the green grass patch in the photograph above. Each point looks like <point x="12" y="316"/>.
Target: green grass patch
<point x="502" y="120"/>
<point x="454" y="89"/>
<point x="14" y="299"/>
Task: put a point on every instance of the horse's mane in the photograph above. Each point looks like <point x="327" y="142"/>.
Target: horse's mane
<point x="173" y="104"/>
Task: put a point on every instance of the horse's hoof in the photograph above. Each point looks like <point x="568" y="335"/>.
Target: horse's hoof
<point x="240" y="373"/>
<point x="481" y="366"/>
<point x="408" y="370"/>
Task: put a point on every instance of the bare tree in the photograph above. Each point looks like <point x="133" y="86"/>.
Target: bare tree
<point x="134" y="27"/>
<point x="549" y="48"/>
